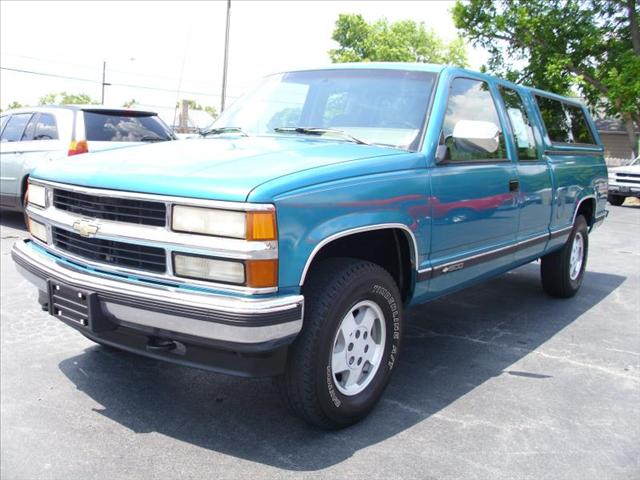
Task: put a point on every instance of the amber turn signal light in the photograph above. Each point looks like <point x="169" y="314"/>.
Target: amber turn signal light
<point x="261" y="226"/>
<point x="262" y="273"/>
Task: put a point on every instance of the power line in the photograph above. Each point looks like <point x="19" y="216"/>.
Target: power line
<point x="110" y="70"/>
<point x="127" y="85"/>
<point x="49" y="75"/>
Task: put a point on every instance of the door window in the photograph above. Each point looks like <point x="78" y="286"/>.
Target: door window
<point x="471" y="130"/>
<point x="15" y="126"/>
<point x="46" y="128"/>
<point x="520" y="124"/>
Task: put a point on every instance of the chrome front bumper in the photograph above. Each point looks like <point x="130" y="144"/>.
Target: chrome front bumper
<point x="167" y="310"/>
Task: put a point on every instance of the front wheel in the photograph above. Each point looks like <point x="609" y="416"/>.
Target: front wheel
<point x="341" y="362"/>
<point x="616" y="200"/>
<point x="563" y="270"/>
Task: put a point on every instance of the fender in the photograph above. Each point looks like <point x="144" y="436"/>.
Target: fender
<point x="413" y="244"/>
<point x="579" y="203"/>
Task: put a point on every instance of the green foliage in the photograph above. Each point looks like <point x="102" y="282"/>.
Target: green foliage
<point x="64" y="98"/>
<point x="130" y="103"/>
<point x="593" y="45"/>
<point x="13" y="105"/>
<point x="193" y="105"/>
<point x="402" y="41"/>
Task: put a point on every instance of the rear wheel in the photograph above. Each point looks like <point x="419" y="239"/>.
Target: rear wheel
<point x="616" y="200"/>
<point x="341" y="362"/>
<point x="563" y="270"/>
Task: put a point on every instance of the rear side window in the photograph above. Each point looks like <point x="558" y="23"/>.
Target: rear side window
<point x="565" y="123"/>
<point x="46" y="128"/>
<point x="111" y="127"/>
<point x="579" y="127"/>
<point x="3" y="121"/>
<point x="15" y="126"/>
<point x="470" y="119"/>
<point x="520" y="124"/>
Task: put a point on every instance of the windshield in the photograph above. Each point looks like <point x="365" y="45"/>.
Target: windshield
<point x="383" y="107"/>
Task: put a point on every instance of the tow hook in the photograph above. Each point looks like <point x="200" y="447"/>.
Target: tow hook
<point x="157" y="344"/>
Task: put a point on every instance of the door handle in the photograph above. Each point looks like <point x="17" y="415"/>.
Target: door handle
<point x="514" y="185"/>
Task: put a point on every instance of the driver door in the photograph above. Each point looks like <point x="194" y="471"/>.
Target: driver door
<point x="474" y="190"/>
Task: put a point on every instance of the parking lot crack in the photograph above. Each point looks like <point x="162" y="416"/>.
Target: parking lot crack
<point x="600" y="368"/>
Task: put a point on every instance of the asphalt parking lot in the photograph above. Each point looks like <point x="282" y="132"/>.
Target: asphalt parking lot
<point x="496" y="382"/>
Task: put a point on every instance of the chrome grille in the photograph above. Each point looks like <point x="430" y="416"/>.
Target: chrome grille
<point x="628" y="177"/>
<point x="111" y="208"/>
<point x="121" y="254"/>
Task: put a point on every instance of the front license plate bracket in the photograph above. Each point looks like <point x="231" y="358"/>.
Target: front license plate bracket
<point x="77" y="307"/>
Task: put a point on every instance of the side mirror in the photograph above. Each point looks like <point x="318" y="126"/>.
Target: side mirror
<point x="479" y="135"/>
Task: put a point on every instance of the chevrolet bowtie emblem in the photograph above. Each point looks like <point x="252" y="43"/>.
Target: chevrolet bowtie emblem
<point x="85" y="228"/>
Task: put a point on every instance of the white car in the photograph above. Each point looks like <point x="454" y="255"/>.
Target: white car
<point x="31" y="136"/>
<point x="624" y="182"/>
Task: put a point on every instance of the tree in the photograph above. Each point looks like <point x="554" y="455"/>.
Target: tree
<point x="193" y="105"/>
<point x="593" y="45"/>
<point x="211" y="111"/>
<point x="402" y="41"/>
<point x="64" y="98"/>
<point x="130" y="103"/>
<point x="13" y="105"/>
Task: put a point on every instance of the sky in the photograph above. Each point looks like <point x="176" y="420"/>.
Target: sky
<point x="177" y="47"/>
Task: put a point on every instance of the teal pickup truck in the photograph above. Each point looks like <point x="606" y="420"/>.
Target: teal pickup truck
<point x="290" y="239"/>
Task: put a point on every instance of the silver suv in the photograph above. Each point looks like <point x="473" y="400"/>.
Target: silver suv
<point x="30" y="136"/>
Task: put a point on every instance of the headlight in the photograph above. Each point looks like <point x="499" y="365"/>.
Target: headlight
<point x="224" y="223"/>
<point x="37" y="195"/>
<point x="37" y="229"/>
<point x="220" y="223"/>
<point x="206" y="268"/>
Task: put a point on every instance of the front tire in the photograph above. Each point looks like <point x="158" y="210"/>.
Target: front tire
<point x="341" y="362"/>
<point x="562" y="271"/>
<point x="616" y="200"/>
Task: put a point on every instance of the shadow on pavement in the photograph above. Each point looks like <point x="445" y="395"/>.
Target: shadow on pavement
<point x="451" y="346"/>
<point x="12" y="220"/>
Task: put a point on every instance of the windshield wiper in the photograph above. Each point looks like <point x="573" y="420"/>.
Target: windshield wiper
<point x="151" y="138"/>
<point x="320" y="131"/>
<point x="221" y="130"/>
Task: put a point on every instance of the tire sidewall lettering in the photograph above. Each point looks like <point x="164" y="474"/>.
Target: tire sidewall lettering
<point x="385" y="299"/>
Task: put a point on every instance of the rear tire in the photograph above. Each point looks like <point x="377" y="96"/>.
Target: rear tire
<point x="341" y="362"/>
<point x="616" y="200"/>
<point x="562" y="271"/>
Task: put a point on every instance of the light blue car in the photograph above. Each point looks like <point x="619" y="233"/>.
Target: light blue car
<point x="290" y="239"/>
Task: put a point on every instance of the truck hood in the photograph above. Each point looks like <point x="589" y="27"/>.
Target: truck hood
<point x="218" y="168"/>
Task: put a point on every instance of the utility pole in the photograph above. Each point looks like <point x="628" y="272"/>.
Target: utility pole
<point x="226" y="58"/>
<point x="104" y="73"/>
<point x="184" y="117"/>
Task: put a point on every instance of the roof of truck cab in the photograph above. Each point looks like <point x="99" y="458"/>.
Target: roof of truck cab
<point x="417" y="67"/>
<point x="435" y="68"/>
